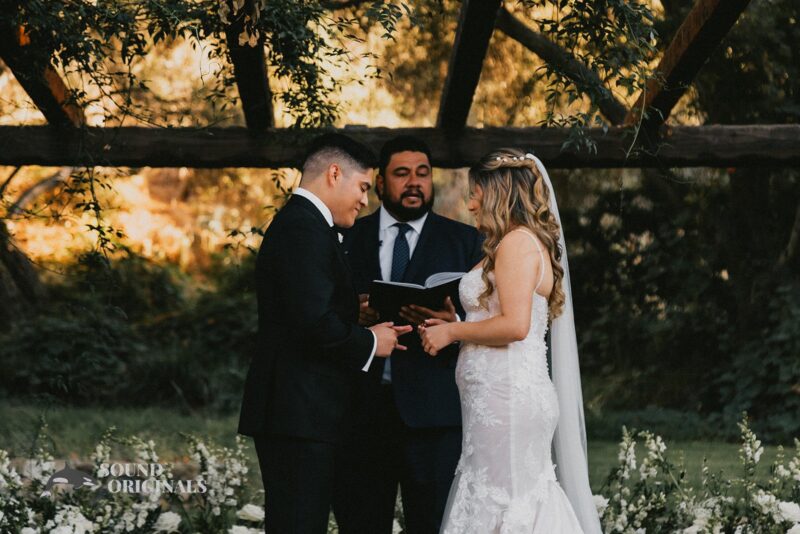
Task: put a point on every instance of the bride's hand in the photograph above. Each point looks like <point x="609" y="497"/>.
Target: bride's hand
<point x="435" y="335"/>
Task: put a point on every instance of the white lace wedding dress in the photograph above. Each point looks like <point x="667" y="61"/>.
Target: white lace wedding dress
<point x="505" y="481"/>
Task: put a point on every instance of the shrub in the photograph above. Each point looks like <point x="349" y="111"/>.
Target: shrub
<point x="648" y="493"/>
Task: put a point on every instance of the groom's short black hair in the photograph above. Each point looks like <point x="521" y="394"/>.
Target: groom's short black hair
<point x="332" y="146"/>
<point x="402" y="143"/>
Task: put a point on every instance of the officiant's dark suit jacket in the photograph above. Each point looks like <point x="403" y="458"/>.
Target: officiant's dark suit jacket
<point x="310" y="351"/>
<point x="424" y="387"/>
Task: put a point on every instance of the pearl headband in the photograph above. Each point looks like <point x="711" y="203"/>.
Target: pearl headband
<point x="516" y="158"/>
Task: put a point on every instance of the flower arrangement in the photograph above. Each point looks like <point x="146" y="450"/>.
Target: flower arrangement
<point x="650" y="494"/>
<point x="645" y="493"/>
<point x="143" y="500"/>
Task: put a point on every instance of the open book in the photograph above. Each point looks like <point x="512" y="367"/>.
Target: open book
<point x="388" y="297"/>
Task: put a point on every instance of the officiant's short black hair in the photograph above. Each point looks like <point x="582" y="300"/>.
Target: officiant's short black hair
<point x="402" y="143"/>
<point x="333" y="145"/>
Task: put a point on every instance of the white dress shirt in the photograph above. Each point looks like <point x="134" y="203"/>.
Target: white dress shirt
<point x="387" y="233"/>
<point x="326" y="213"/>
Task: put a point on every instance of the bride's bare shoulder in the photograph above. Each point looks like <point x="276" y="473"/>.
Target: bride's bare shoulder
<point x="519" y="242"/>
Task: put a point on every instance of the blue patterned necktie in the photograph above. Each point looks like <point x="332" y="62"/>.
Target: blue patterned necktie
<point x="401" y="254"/>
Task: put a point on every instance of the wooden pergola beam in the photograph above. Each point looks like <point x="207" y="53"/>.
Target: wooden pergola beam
<point x="585" y="79"/>
<point x="40" y="80"/>
<point x="250" y="70"/>
<point x="686" y="146"/>
<point x="474" y="31"/>
<point x="698" y="36"/>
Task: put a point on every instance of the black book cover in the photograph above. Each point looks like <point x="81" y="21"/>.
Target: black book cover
<point x="388" y="297"/>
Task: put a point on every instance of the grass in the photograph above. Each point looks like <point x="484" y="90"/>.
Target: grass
<point x="75" y="432"/>
<point x="720" y="457"/>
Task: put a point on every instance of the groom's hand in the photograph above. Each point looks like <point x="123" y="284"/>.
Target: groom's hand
<point x="419" y="314"/>
<point x="387" y="335"/>
<point x="366" y="315"/>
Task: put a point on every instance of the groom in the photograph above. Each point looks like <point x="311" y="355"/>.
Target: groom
<point x="408" y="429"/>
<point x="300" y="389"/>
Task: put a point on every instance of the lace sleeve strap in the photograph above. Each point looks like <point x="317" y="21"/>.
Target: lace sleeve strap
<point x="541" y="255"/>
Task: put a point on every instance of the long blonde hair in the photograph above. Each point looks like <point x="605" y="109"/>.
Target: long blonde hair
<point x="515" y="195"/>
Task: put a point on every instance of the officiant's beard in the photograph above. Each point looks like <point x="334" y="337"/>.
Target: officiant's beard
<point x="405" y="214"/>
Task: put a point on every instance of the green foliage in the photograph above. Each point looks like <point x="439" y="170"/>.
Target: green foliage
<point x="104" y="41"/>
<point x="649" y="492"/>
<point x="615" y="39"/>
<point x="651" y="302"/>
<point x="671" y="314"/>
<point x="763" y="377"/>
<point x="754" y="76"/>
<point x="72" y="354"/>
<point x="137" y="287"/>
<point x="674" y="425"/>
<point x="126" y="333"/>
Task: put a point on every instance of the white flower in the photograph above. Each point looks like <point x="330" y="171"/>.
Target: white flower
<point x="766" y="501"/>
<point x="70" y="520"/>
<point x="794" y="530"/>
<point x="790" y="511"/>
<point x="29" y="530"/>
<point x="396" y="528"/>
<point x="167" y="522"/>
<point x="782" y="472"/>
<point x="601" y="503"/>
<point x="341" y="237"/>
<point x="751" y="446"/>
<point x="701" y="517"/>
<point x="238" y="529"/>
<point x="39" y="469"/>
<point x="251" y="512"/>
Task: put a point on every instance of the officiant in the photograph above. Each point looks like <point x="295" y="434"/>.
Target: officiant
<point x="407" y="430"/>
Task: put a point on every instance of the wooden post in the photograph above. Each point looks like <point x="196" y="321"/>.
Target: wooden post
<point x="40" y="80"/>
<point x="472" y="40"/>
<point x="700" y="33"/>
<point x="250" y="70"/>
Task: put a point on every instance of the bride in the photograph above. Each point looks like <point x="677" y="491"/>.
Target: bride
<point x="513" y="413"/>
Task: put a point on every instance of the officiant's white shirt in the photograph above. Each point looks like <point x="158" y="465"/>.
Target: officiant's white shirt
<point x="388" y="233"/>
<point x="326" y="213"/>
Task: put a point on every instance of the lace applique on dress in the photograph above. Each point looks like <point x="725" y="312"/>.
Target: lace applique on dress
<point x="505" y="481"/>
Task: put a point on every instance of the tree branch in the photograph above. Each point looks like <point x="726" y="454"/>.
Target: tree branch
<point x="8" y="181"/>
<point x="22" y="276"/>
<point x="584" y="78"/>
<point x="37" y="189"/>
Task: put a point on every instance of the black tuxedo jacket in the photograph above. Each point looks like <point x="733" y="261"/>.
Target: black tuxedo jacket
<point x="424" y="386"/>
<point x="310" y="350"/>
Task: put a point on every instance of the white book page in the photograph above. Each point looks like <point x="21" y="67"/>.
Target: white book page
<point x="442" y="278"/>
<point x="401" y="284"/>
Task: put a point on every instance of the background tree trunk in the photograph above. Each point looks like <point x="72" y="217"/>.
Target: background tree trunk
<point x="20" y="287"/>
